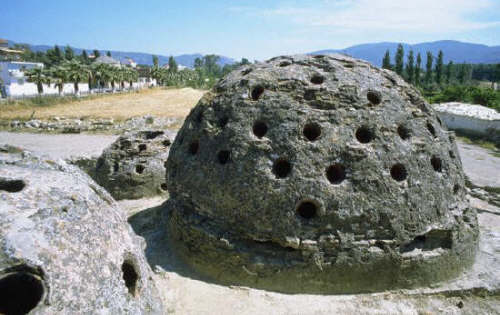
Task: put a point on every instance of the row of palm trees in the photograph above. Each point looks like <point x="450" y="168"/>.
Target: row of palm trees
<point x="72" y="71"/>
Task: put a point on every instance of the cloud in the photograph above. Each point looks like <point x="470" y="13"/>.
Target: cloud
<point x="441" y="16"/>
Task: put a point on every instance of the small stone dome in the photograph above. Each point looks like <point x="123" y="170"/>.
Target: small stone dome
<point x="319" y="174"/>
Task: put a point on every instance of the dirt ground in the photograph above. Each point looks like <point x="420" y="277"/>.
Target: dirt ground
<point x="174" y="103"/>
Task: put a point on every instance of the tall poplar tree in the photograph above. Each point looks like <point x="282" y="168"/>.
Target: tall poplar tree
<point x="428" y="68"/>
<point x="386" y="62"/>
<point x="449" y="72"/>
<point x="399" y="60"/>
<point x="439" y="67"/>
<point x="418" y="69"/>
<point x="410" y="67"/>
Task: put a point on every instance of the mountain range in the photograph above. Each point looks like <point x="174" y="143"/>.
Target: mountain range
<point x="455" y="51"/>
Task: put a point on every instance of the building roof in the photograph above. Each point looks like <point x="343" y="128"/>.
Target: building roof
<point x="107" y="60"/>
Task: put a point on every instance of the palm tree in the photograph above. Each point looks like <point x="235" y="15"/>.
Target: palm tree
<point x="39" y="76"/>
<point x="76" y="73"/>
<point x="59" y="76"/>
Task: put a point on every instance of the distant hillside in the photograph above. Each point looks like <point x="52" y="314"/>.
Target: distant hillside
<point x="140" y="58"/>
<point x="455" y="51"/>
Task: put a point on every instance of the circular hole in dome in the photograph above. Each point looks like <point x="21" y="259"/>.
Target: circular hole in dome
<point x="456" y="189"/>
<point x="20" y="293"/>
<point x="431" y="129"/>
<point x="436" y="163"/>
<point x="335" y="173"/>
<point x="374" y="97"/>
<point x="285" y="63"/>
<point x="193" y="147"/>
<point x="130" y="276"/>
<point x="163" y="186"/>
<point x="398" y="172"/>
<point x="317" y="79"/>
<point x="309" y="95"/>
<point x="12" y="185"/>
<point x="139" y="168"/>
<point x="364" y="134"/>
<point x="257" y="92"/>
<point x="452" y="154"/>
<point x="282" y="168"/>
<point x="246" y="71"/>
<point x="307" y="209"/>
<point x="223" y="156"/>
<point x="404" y="132"/>
<point x="166" y="142"/>
<point x="259" y="129"/>
<point x="312" y="131"/>
<point x="142" y="147"/>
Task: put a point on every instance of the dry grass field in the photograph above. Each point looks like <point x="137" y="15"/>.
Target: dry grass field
<point x="175" y="103"/>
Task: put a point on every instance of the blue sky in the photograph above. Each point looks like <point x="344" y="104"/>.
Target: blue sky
<point x="254" y="29"/>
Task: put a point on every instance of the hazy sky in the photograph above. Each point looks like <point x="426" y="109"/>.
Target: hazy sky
<point x="255" y="29"/>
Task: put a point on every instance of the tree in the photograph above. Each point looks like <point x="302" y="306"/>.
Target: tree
<point x="59" y="77"/>
<point x="399" y="60"/>
<point x="172" y="65"/>
<point x="97" y="54"/>
<point x="198" y="63"/>
<point x="210" y="64"/>
<point x="108" y="54"/>
<point x="54" y="56"/>
<point x="428" y="68"/>
<point x="418" y="69"/>
<point x="449" y="72"/>
<point x="386" y="62"/>
<point x="69" y="54"/>
<point x="410" y="68"/>
<point x="76" y="73"/>
<point x="85" y="58"/>
<point x="39" y="76"/>
<point x="155" y="61"/>
<point x="244" y="61"/>
<point x="439" y="67"/>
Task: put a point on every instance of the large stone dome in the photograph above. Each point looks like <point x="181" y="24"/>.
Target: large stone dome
<point x="319" y="174"/>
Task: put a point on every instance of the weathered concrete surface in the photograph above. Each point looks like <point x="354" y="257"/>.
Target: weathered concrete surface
<point x="133" y="166"/>
<point x="319" y="174"/>
<point x="481" y="167"/>
<point x="65" y="246"/>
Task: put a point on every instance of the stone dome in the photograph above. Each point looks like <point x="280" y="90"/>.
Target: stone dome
<point x="319" y="174"/>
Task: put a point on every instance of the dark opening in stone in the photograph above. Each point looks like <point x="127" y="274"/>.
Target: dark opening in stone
<point x="312" y="131"/>
<point x="436" y="163"/>
<point x="224" y="156"/>
<point x="257" y="92"/>
<point x="317" y="79"/>
<point x="199" y="117"/>
<point x="404" y="132"/>
<point x="166" y="142"/>
<point x="153" y="134"/>
<point x="374" y="97"/>
<point x="398" y="172"/>
<point x="335" y="173"/>
<point x="246" y="71"/>
<point x="364" y="134"/>
<point x="163" y="186"/>
<point x="130" y="276"/>
<point x="116" y="166"/>
<point x="259" y="129"/>
<point x="452" y="154"/>
<point x="20" y="293"/>
<point x="193" y="147"/>
<point x="456" y="188"/>
<point x="431" y="129"/>
<point x="439" y="121"/>
<point x="282" y="168"/>
<point x="139" y="168"/>
<point x="11" y="185"/>
<point x="223" y="121"/>
<point x="285" y="63"/>
<point x="319" y="56"/>
<point x="142" y="147"/>
<point x="307" y="209"/>
<point x="309" y="95"/>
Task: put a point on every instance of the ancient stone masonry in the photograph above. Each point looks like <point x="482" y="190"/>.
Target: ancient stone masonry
<point x="65" y="246"/>
<point x="319" y="174"/>
<point x="133" y="166"/>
